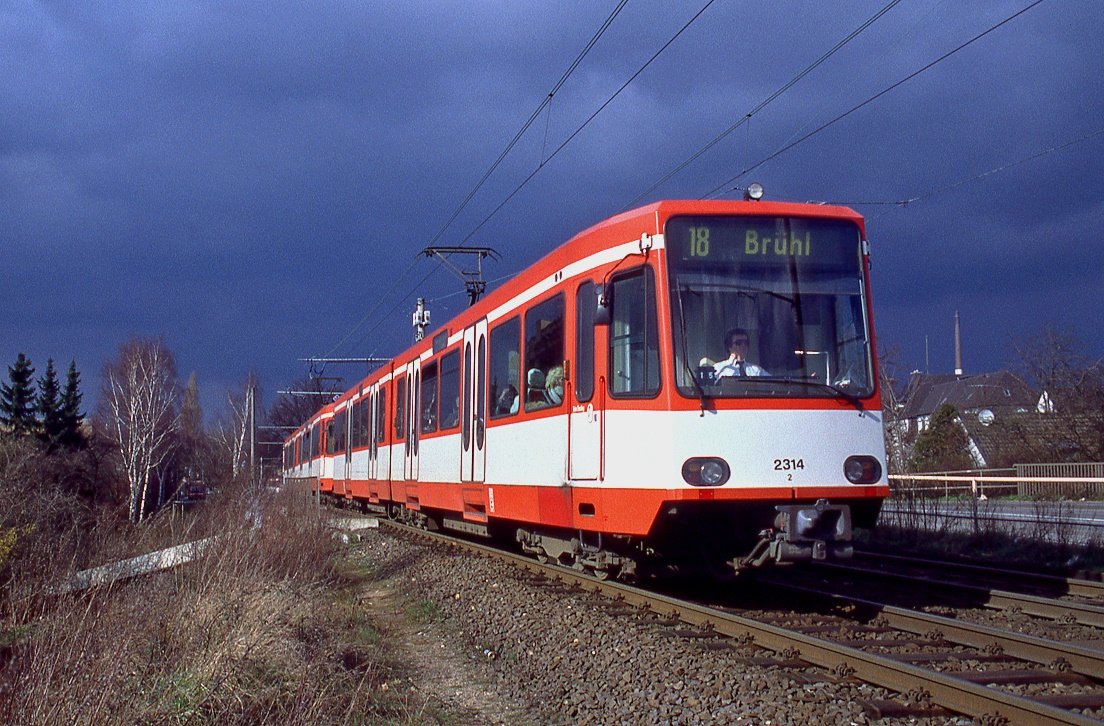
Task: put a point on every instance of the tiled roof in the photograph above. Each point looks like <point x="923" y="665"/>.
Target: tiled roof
<point x="1025" y="438"/>
<point x="1000" y="391"/>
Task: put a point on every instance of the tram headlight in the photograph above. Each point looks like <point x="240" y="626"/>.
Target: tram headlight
<point x="862" y="469"/>
<point x="754" y="192"/>
<point x="706" y="471"/>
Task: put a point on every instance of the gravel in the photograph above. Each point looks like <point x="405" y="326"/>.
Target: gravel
<point x="570" y="657"/>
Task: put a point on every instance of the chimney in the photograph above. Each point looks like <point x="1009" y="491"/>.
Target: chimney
<point x="958" y="346"/>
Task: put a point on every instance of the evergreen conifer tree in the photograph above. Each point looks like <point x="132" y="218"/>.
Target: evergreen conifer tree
<point x="17" y="402"/>
<point x="943" y="446"/>
<point x="48" y="406"/>
<point x="191" y="437"/>
<point x="71" y="416"/>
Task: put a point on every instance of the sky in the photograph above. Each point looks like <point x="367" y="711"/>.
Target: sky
<point x="255" y="181"/>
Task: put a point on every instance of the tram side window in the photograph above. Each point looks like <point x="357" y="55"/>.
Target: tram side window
<point x="331" y="438"/>
<point x="355" y="412"/>
<point x="505" y="368"/>
<point x="400" y="409"/>
<point x="339" y="430"/>
<point x="381" y="416"/>
<point x="544" y="354"/>
<point x="429" y="397"/>
<point x="315" y="440"/>
<point x="450" y="390"/>
<point x="586" y="305"/>
<point x="633" y="335"/>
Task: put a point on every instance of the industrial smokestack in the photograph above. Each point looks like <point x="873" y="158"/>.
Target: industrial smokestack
<point x="958" y="346"/>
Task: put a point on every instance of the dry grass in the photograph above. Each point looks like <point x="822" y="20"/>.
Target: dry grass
<point x="264" y="629"/>
<point x="958" y="528"/>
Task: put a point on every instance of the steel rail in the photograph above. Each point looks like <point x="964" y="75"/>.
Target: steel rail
<point x="1084" y="613"/>
<point x="1076" y="586"/>
<point x="952" y="693"/>
<point x="1086" y="661"/>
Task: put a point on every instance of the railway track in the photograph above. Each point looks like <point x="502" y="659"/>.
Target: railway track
<point x="1002" y="578"/>
<point x="940" y="589"/>
<point x="920" y="645"/>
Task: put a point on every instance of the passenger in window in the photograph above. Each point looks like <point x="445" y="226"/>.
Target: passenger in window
<point x="736" y="342"/>
<point x="429" y="411"/>
<point x="451" y="417"/>
<point x="507" y="401"/>
<point x="535" y="394"/>
<point x="554" y="385"/>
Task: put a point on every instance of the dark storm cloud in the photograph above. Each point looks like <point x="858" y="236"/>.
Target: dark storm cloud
<point x="249" y="178"/>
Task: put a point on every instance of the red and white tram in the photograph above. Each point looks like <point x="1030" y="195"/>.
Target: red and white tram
<point x="592" y="409"/>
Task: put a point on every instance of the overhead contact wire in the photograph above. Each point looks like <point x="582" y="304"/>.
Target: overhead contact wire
<point x="870" y="100"/>
<point x="532" y="118"/>
<point x="371" y="312"/>
<point x="513" y="142"/>
<point x="764" y="103"/>
<point x="996" y="170"/>
<point x="569" y="139"/>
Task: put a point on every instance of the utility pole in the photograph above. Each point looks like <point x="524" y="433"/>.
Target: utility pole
<point x="421" y="319"/>
<point x="251" y="412"/>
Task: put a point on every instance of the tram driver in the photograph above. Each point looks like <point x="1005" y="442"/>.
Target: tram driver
<point x="736" y="343"/>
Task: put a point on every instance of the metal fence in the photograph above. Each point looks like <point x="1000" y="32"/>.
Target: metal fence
<point x="1055" y="481"/>
<point x="1068" y="480"/>
<point x="972" y="502"/>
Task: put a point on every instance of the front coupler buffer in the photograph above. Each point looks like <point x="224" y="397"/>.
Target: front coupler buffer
<point x="803" y="532"/>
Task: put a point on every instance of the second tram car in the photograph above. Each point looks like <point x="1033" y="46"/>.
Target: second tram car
<point x="688" y="384"/>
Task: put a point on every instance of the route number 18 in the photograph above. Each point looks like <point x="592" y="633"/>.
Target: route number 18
<point x="699" y="241"/>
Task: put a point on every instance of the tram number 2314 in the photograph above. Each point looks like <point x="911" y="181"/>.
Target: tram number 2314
<point x="788" y="464"/>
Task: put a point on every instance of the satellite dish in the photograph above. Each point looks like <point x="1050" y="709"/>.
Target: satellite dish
<point x="986" y="417"/>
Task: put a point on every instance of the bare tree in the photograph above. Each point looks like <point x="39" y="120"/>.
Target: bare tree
<point x="1072" y="388"/>
<point x="232" y="434"/>
<point x="141" y="413"/>
<point x="306" y="397"/>
<point x="889" y="372"/>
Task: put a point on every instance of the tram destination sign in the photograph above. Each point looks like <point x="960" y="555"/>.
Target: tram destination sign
<point x="717" y="239"/>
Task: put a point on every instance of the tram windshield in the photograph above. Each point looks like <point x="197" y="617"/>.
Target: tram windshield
<point x="768" y="306"/>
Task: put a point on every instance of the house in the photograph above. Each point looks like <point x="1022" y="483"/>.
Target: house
<point x="999" y="393"/>
<point x="1005" y="420"/>
<point x="1004" y="440"/>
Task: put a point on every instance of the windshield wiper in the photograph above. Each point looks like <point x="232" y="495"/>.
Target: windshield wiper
<point x="853" y="399"/>
<point x="701" y="391"/>
<point x="685" y="362"/>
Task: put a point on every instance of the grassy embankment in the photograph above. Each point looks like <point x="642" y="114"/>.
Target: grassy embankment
<point x="267" y="628"/>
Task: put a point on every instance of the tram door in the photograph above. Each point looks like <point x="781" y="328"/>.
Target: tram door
<point x="413" y="417"/>
<point x="587" y="397"/>
<point x="369" y="426"/>
<point x="348" y="425"/>
<point x="381" y="452"/>
<point x="473" y="421"/>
